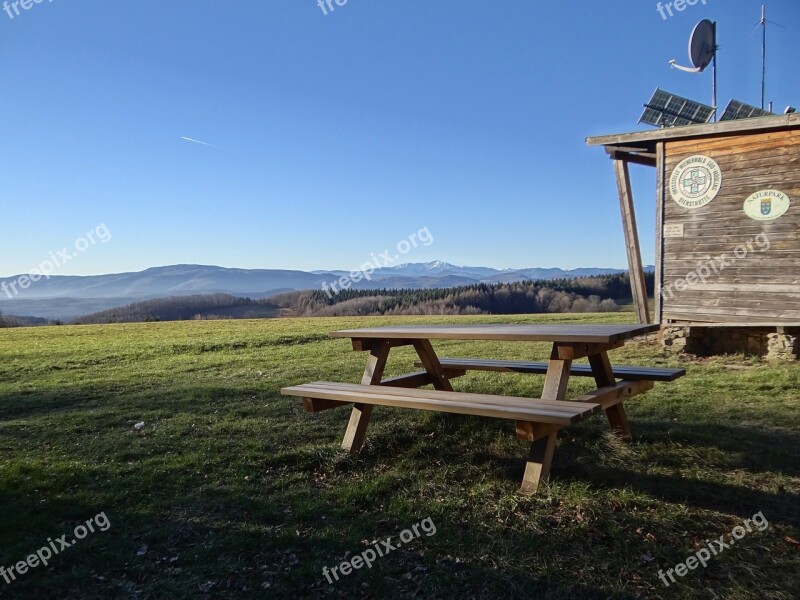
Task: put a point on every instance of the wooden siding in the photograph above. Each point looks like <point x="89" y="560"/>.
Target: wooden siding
<point x="763" y="286"/>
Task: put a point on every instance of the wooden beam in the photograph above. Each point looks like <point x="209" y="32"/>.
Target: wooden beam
<point x="643" y="150"/>
<point x="367" y="344"/>
<point x="612" y="395"/>
<point x="661" y="178"/>
<point x="540" y="458"/>
<point x="412" y="380"/>
<point x="646" y="159"/>
<point x="528" y="431"/>
<point x="431" y="364"/>
<point x="650" y="137"/>
<point x="557" y="377"/>
<point x="604" y="377"/>
<point x="638" y="286"/>
<point x="315" y="405"/>
<point x="578" y="351"/>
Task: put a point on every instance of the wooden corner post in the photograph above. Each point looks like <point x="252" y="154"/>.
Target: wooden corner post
<point x="661" y="180"/>
<point x="638" y="285"/>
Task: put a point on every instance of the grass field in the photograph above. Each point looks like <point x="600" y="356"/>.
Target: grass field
<point x="230" y="490"/>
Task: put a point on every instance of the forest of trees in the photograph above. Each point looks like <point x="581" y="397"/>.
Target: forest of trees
<point x="586" y="294"/>
<point x="176" y="308"/>
<point x="601" y="293"/>
<point x="12" y="321"/>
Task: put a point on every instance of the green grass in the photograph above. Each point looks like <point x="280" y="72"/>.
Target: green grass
<point x="236" y="492"/>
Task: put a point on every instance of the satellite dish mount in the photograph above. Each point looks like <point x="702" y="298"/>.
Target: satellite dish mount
<point x="703" y="52"/>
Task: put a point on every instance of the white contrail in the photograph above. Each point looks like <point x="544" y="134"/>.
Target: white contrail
<point x="188" y="139"/>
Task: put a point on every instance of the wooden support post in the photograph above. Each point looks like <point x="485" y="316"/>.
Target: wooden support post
<point x="557" y="378"/>
<point x="604" y="376"/>
<point x="359" y="418"/>
<point x="540" y="457"/>
<point x="638" y="285"/>
<point x="661" y="178"/>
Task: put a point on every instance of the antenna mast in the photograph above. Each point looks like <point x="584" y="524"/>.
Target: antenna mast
<point x="763" y="55"/>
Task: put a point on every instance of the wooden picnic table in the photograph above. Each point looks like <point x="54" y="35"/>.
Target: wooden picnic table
<point x="537" y="419"/>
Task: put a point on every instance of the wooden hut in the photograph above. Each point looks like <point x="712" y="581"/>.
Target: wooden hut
<point x="727" y="244"/>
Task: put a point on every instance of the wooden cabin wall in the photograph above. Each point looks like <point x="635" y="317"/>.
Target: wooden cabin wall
<point x="761" y="287"/>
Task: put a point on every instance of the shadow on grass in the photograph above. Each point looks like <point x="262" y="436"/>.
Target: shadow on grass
<point x="147" y="398"/>
<point x="236" y="543"/>
<point x="754" y="450"/>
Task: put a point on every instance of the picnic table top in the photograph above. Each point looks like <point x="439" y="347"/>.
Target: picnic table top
<point x="591" y="334"/>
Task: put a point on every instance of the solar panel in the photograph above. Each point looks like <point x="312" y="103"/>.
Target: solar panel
<point x="740" y="110"/>
<point x="669" y="110"/>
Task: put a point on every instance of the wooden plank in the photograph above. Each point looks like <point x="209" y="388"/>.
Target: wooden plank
<point x="734" y="228"/>
<point x="786" y="293"/>
<point x="774" y="313"/>
<point x="748" y="324"/>
<point x="631" y="373"/>
<point x="693" y="259"/>
<point x="715" y="315"/>
<point x="424" y="394"/>
<point x="600" y="334"/>
<point x="781" y="158"/>
<point x="524" y="409"/>
<point x="320" y="396"/>
<point x="734" y="144"/>
<point x="636" y="270"/>
<point x="737" y="299"/>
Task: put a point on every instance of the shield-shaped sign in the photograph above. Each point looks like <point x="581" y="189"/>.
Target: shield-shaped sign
<point x="766" y="206"/>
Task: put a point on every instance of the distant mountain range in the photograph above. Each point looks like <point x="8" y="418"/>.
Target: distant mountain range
<point x="67" y="297"/>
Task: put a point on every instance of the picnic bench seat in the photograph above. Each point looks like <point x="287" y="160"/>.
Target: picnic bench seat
<point x="536" y="420"/>
<point x="455" y="366"/>
<point x="324" y="395"/>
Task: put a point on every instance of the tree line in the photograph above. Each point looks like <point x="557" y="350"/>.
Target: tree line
<point x="601" y="293"/>
<point x="586" y="294"/>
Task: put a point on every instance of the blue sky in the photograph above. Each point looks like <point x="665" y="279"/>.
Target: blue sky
<point x="336" y="136"/>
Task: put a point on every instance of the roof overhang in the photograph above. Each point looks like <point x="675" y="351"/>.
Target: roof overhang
<point x="640" y="147"/>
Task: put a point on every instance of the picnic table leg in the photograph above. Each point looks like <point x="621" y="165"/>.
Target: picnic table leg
<point x="557" y="378"/>
<point x="604" y="376"/>
<point x="540" y="457"/>
<point x="360" y="416"/>
<point x="432" y="365"/>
